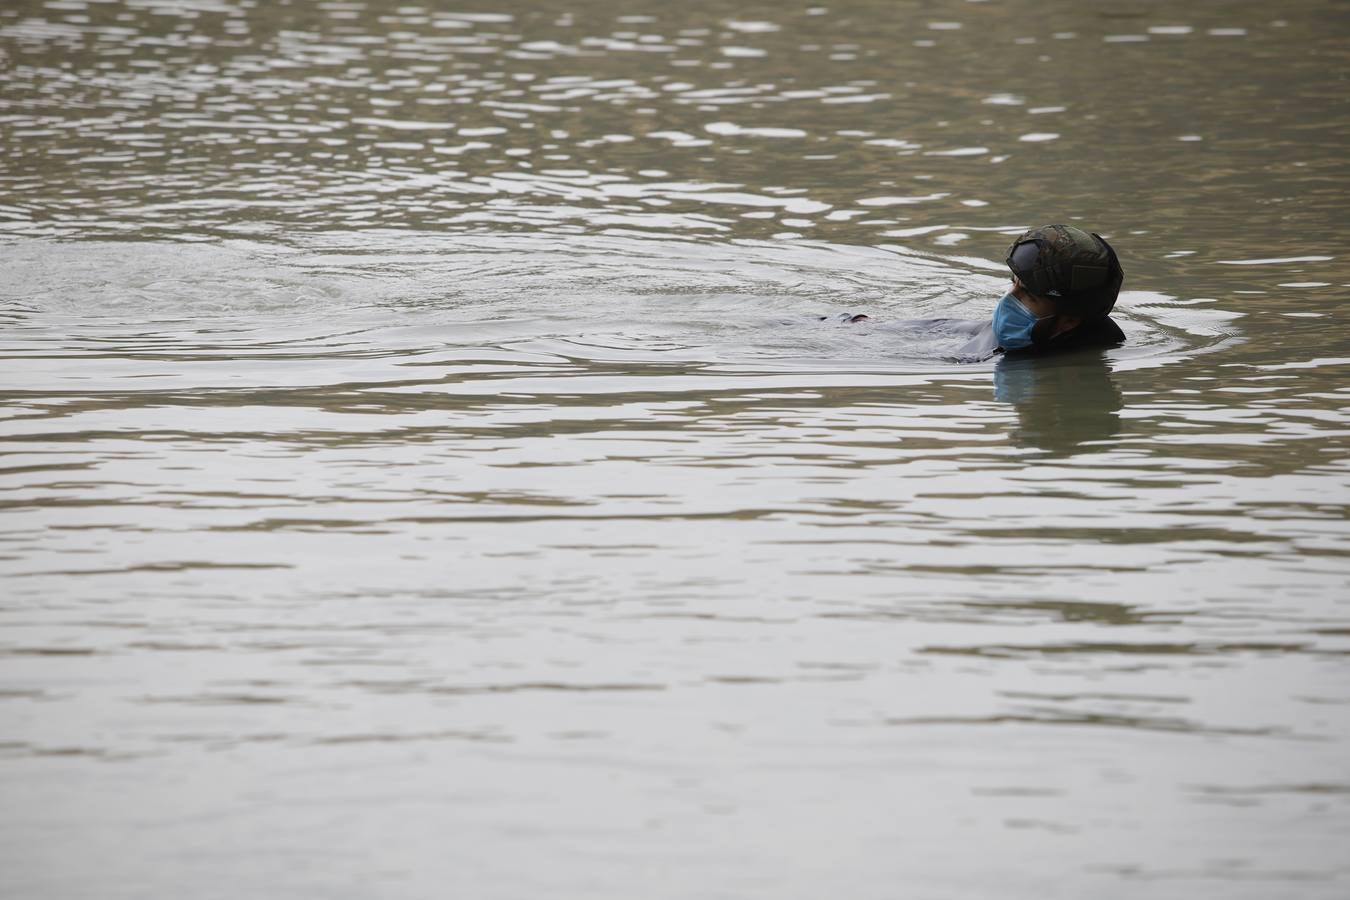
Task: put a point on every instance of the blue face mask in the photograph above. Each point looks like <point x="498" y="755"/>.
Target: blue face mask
<point x="1013" y="323"/>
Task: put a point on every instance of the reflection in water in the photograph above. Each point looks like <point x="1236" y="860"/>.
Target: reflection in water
<point x="1062" y="402"/>
<point x="420" y="451"/>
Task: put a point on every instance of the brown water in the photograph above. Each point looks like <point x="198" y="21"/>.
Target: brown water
<point x="424" y="473"/>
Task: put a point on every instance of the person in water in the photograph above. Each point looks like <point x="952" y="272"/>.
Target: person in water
<point x="1064" y="285"/>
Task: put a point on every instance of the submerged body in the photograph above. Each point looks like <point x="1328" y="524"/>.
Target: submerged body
<point x="985" y="343"/>
<point x="976" y="340"/>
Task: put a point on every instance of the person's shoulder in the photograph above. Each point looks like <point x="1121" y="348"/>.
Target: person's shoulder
<point x="1103" y="333"/>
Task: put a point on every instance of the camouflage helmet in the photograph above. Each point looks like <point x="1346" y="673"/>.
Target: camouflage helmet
<point x="1069" y="265"/>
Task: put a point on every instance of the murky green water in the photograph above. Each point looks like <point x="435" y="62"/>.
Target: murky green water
<point x="424" y="473"/>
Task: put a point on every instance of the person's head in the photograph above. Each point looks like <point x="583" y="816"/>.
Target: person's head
<point x="1064" y="278"/>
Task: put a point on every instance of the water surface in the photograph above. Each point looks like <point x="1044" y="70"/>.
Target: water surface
<point x="430" y="462"/>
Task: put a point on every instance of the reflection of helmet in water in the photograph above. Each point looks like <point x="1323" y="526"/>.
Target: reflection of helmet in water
<point x="1077" y="269"/>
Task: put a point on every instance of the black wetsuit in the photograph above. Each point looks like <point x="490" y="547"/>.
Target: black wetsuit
<point x="1101" y="333"/>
